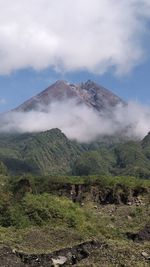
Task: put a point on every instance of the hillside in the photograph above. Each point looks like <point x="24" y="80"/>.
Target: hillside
<point x="85" y="221"/>
<point x="46" y="152"/>
<point x="51" y="152"/>
<point x="81" y="204"/>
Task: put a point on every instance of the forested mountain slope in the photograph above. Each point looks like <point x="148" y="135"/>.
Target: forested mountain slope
<point x="51" y="152"/>
<point x="47" y="152"/>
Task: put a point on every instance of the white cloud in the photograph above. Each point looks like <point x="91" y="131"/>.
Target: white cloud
<point x="97" y="35"/>
<point x="80" y="122"/>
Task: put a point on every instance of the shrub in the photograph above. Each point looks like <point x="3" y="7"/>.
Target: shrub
<point x="46" y="208"/>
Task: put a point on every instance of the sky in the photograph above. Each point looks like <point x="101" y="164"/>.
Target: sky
<point x="42" y="41"/>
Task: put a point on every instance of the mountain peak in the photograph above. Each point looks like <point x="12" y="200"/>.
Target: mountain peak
<point x="89" y="93"/>
<point x="89" y="83"/>
<point x="61" y="82"/>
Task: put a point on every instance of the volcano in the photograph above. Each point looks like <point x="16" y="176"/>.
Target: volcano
<point x="88" y="93"/>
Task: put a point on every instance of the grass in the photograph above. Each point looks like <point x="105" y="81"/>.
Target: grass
<point x="47" y="222"/>
<point x="103" y="226"/>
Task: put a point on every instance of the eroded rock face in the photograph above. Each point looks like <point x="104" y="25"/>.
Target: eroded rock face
<point x="118" y="194"/>
<point x="64" y="257"/>
<point x="9" y="259"/>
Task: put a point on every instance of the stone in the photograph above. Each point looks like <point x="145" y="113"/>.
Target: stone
<point x="145" y="255"/>
<point x="59" y="261"/>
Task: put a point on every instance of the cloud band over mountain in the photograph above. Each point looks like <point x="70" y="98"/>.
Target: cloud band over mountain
<point x="79" y="122"/>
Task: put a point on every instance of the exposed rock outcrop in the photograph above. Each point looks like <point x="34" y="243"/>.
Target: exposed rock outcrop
<point x="63" y="257"/>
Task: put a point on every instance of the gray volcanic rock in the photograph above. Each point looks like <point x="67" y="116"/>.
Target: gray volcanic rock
<point x="98" y="96"/>
<point x="89" y="93"/>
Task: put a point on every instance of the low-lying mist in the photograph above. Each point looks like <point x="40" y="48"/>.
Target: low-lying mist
<point x="80" y="122"/>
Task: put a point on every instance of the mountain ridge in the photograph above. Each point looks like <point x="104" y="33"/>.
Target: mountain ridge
<point x="52" y="153"/>
<point x="88" y="93"/>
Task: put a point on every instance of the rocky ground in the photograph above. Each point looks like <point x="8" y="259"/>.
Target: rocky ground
<point x="120" y="236"/>
<point x="125" y="244"/>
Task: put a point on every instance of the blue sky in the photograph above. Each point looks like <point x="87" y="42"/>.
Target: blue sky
<point x="108" y="39"/>
<point x="21" y="85"/>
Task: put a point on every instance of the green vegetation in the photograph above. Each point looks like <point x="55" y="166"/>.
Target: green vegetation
<point x="37" y="215"/>
<point x="38" y="153"/>
<point x="36" y="201"/>
<point x="40" y="210"/>
<point x="3" y="169"/>
<point x="94" y="162"/>
<point x="51" y="153"/>
<point x="55" y="193"/>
